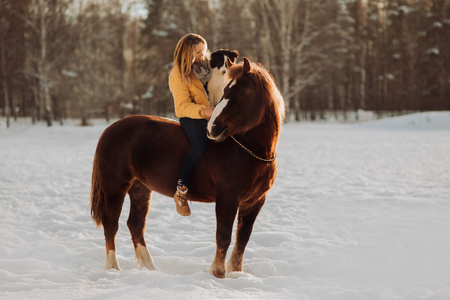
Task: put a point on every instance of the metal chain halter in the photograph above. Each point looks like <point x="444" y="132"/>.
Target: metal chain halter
<point x="253" y="154"/>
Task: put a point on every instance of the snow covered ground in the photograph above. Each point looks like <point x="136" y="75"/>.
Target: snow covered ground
<point x="358" y="211"/>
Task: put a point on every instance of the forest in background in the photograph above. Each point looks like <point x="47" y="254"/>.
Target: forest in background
<point x="101" y="58"/>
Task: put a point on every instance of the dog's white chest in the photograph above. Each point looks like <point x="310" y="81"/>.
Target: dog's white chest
<point x="216" y="85"/>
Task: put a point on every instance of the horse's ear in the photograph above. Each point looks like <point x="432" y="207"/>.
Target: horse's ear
<point x="247" y="65"/>
<point x="229" y="63"/>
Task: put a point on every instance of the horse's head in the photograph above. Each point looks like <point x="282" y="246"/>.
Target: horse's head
<point x="249" y="94"/>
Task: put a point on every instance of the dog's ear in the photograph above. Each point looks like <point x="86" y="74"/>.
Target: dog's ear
<point x="233" y="55"/>
<point x="229" y="63"/>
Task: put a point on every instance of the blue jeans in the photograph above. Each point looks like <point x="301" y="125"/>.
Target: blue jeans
<point x="196" y="132"/>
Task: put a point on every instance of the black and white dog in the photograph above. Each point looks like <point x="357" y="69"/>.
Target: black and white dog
<point x="218" y="80"/>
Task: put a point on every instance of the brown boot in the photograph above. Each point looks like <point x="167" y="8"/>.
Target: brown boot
<point x="181" y="200"/>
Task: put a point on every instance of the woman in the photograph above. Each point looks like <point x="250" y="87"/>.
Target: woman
<point x="186" y="80"/>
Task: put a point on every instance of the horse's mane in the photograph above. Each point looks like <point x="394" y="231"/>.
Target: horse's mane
<point x="266" y="82"/>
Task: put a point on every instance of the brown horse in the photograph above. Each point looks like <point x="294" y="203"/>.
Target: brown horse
<point x="141" y="154"/>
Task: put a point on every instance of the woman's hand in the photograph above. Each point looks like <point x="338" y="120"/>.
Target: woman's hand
<point x="208" y="111"/>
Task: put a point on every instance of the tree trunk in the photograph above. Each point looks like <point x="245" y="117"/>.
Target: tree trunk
<point x="44" y="84"/>
<point x="5" y="87"/>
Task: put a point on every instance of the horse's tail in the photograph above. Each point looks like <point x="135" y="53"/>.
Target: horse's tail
<point x="97" y="195"/>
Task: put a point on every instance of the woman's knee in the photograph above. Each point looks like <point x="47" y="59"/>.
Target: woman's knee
<point x="198" y="148"/>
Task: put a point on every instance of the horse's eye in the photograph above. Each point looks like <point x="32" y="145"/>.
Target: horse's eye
<point x="243" y="92"/>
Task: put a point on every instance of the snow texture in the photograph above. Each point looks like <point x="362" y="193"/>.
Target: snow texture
<point x="358" y="211"/>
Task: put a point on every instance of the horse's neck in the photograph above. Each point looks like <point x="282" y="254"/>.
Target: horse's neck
<point x="265" y="135"/>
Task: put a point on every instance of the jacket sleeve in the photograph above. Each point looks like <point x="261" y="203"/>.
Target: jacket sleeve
<point x="183" y="102"/>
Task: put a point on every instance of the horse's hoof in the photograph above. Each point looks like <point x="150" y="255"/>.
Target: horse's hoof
<point x="150" y="267"/>
<point x="232" y="267"/>
<point x="219" y="275"/>
<point x="111" y="261"/>
<point x="144" y="258"/>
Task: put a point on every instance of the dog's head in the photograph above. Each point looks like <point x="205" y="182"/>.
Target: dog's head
<point x="219" y="59"/>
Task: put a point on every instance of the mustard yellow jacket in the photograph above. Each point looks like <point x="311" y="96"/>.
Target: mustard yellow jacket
<point x="189" y="101"/>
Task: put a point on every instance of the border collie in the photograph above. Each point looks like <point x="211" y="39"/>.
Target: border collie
<point x="218" y="80"/>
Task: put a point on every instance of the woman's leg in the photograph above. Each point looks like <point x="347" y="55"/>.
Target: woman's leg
<point x="196" y="132"/>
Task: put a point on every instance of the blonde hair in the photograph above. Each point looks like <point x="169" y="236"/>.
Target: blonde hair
<point x="183" y="57"/>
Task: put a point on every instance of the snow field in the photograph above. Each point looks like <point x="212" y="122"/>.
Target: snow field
<point x="358" y="211"/>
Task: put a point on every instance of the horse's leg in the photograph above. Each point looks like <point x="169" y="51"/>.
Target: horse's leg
<point x="226" y="209"/>
<point x="110" y="220"/>
<point x="140" y="204"/>
<point x="246" y="219"/>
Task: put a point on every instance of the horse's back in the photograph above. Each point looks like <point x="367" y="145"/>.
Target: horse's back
<point x="125" y="132"/>
<point x="133" y="124"/>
